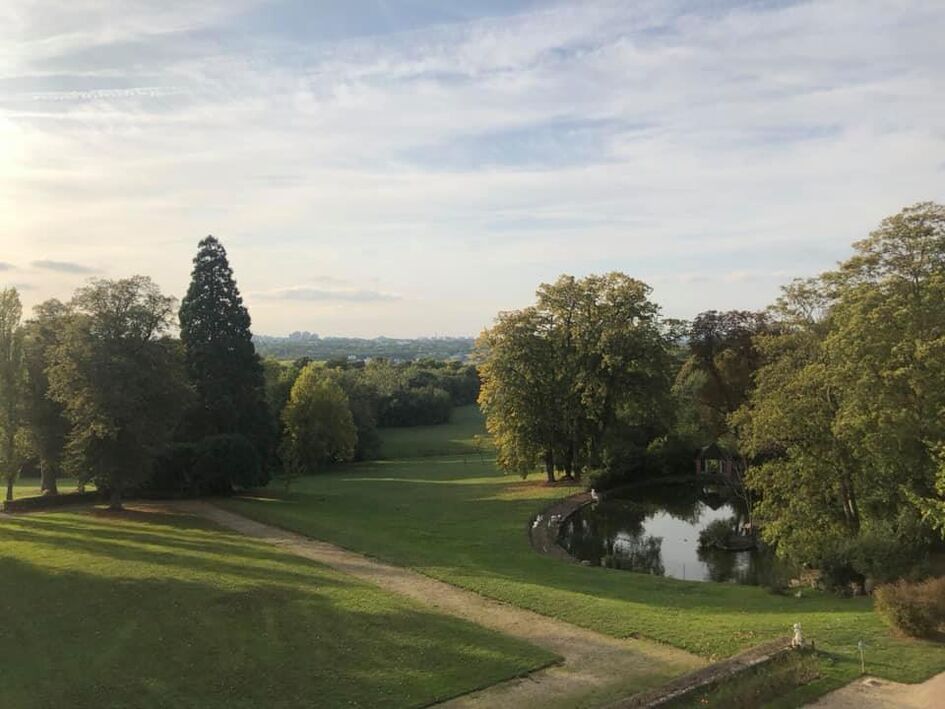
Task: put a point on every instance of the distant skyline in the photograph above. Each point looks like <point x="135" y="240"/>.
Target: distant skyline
<point x="412" y="168"/>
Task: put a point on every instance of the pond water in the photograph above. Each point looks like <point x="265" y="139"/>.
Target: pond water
<point x="655" y="530"/>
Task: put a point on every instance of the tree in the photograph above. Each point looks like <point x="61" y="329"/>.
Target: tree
<point x="12" y="385"/>
<point x="581" y="380"/>
<point x="120" y="380"/>
<point x="363" y="402"/>
<point x="519" y="394"/>
<point x="221" y="359"/>
<point x="47" y="424"/>
<point x="717" y="374"/>
<point x="845" y="423"/>
<point x="319" y="428"/>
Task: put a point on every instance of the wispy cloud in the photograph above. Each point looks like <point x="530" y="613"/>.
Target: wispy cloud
<point x="68" y="267"/>
<point x="4" y="266"/>
<point x="319" y="295"/>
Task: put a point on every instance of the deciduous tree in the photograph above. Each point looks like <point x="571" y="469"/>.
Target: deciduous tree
<point x="47" y="424"/>
<point x="319" y="428"/>
<point x="120" y="380"/>
<point x="12" y="386"/>
<point x="579" y="379"/>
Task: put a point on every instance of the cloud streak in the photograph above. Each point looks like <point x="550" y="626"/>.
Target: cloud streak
<point x="65" y="267"/>
<point x="321" y="295"/>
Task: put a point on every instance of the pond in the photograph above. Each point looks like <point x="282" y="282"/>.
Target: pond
<point x="655" y="529"/>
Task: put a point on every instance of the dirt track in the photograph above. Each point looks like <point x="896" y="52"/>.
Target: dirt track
<point x="596" y="668"/>
<point x="872" y="693"/>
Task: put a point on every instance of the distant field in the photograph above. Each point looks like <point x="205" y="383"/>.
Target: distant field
<point x="151" y="610"/>
<point x="456" y="438"/>
<point x="463" y="521"/>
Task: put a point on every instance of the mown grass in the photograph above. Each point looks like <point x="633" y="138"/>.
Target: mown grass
<point x="149" y="610"/>
<point x="462" y="521"/>
<point x="30" y="487"/>
<point x="456" y="438"/>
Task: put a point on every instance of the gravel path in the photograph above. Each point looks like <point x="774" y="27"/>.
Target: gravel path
<point x="872" y="693"/>
<point x="596" y="668"/>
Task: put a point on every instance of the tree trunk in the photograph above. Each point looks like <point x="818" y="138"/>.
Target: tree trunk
<point x="550" y="466"/>
<point x="48" y="485"/>
<point x="9" y="488"/>
<point x="115" y="503"/>
<point x="569" y="463"/>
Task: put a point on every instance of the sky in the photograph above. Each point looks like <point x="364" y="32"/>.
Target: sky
<point x="411" y="168"/>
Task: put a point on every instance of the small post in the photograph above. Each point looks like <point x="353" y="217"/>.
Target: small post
<point x="861" y="647"/>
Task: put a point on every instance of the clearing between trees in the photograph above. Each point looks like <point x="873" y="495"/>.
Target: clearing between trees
<point x="460" y="520"/>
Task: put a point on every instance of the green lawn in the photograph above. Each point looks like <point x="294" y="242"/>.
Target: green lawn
<point x="151" y="610"/>
<point x="455" y="438"/>
<point x="462" y="521"/>
<point x="29" y="487"/>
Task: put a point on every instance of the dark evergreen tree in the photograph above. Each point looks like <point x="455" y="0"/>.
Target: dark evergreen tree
<point x="224" y="368"/>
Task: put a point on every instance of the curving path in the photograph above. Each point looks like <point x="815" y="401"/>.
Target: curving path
<point x="596" y="669"/>
<point x="872" y="693"/>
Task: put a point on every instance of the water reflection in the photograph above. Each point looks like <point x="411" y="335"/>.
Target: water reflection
<point x="657" y="532"/>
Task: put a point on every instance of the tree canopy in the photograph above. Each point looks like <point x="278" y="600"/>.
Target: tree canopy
<point x="222" y="363"/>
<point x="47" y="423"/>
<point x="578" y="381"/>
<point x="120" y="380"/>
<point x="12" y="386"/>
<point x="319" y="428"/>
<point x="846" y="418"/>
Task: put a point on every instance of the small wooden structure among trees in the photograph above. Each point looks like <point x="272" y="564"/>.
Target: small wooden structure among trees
<point x="712" y="460"/>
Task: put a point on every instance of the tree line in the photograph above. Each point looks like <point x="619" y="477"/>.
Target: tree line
<point x="99" y="389"/>
<point x="830" y="403"/>
<point x="330" y="412"/>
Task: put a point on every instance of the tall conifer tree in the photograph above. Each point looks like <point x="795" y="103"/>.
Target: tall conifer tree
<point x="221" y="359"/>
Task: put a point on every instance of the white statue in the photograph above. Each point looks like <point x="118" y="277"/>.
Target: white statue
<point x="798" y="639"/>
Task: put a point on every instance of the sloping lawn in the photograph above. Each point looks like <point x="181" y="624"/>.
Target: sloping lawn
<point x="462" y="521"/>
<point x="151" y="610"/>
<point x="454" y="438"/>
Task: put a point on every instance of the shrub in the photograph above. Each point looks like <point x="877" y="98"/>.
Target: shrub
<point x="884" y="558"/>
<point x="716" y="533"/>
<point x="836" y="566"/>
<point x="601" y="479"/>
<point x="225" y="462"/>
<point x="172" y="471"/>
<point x="917" y="609"/>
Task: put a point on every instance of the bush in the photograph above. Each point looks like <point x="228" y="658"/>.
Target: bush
<point x="225" y="462"/>
<point x="172" y="471"/>
<point x="716" y="534"/>
<point x="601" y="479"/>
<point x="880" y="556"/>
<point x="884" y="558"/>
<point x="836" y="566"/>
<point x="917" y="609"/>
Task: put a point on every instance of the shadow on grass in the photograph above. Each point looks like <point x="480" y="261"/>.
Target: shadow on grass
<point x="177" y="643"/>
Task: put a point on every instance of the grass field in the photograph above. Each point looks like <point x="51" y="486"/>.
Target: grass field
<point x="456" y="438"/>
<point x="29" y="487"/>
<point x="462" y="521"/>
<point x="151" y="610"/>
